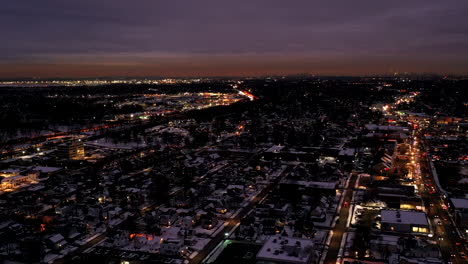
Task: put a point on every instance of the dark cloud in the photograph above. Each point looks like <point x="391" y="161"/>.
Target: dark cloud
<point x="365" y="32"/>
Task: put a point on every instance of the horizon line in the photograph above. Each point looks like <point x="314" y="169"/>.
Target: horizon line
<point x="104" y="77"/>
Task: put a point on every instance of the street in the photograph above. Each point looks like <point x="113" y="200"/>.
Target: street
<point x="437" y="214"/>
<point x="234" y="221"/>
<point x="341" y="226"/>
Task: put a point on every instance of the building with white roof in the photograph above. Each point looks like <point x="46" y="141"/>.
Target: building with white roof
<point x="17" y="181"/>
<point x="171" y="247"/>
<point x="460" y="204"/>
<point x="275" y="149"/>
<point x="460" y="210"/>
<point x="404" y="221"/>
<point x="279" y="249"/>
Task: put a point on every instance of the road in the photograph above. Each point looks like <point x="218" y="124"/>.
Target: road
<point x="8" y="149"/>
<point x="444" y="230"/>
<point x="445" y="233"/>
<point x="81" y="249"/>
<point x="440" y="218"/>
<point x="341" y="226"/>
<point x="219" y="238"/>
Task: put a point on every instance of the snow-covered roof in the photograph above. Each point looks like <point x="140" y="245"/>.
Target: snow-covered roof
<point x="322" y="185"/>
<point x="460" y="203"/>
<point x="347" y="152"/>
<point x="286" y="250"/>
<point x="388" y="128"/>
<point x="234" y="186"/>
<point x="275" y="149"/>
<point x="386" y="240"/>
<point x="403" y="217"/>
<point x="313" y="184"/>
<point x="56" y="238"/>
<point x="46" y="169"/>
<point x="11" y="171"/>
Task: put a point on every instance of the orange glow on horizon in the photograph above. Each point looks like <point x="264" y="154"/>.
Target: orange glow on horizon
<point x="193" y="66"/>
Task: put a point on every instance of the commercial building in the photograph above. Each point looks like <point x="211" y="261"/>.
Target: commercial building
<point x="16" y="181"/>
<point x="279" y="249"/>
<point x="74" y="150"/>
<point x="460" y="208"/>
<point x="404" y="222"/>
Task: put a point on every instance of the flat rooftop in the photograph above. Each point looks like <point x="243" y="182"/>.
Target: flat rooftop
<point x="312" y="184"/>
<point x="275" y="149"/>
<point x="404" y="217"/>
<point x="286" y="250"/>
<point x="460" y="203"/>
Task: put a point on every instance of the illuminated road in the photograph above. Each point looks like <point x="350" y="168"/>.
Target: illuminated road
<point x="213" y="242"/>
<point x="341" y="226"/>
<point x="8" y="149"/>
<point x="236" y="220"/>
<point x="445" y="233"/>
<point x="440" y="219"/>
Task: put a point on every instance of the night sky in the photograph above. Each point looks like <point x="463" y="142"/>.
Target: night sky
<point x="87" y="38"/>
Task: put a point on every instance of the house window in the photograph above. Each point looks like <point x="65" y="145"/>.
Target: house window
<point x="420" y="229"/>
<point x="407" y="206"/>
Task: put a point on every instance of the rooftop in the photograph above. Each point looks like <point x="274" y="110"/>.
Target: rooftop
<point x="312" y="184"/>
<point x="404" y="217"/>
<point x="460" y="203"/>
<point x="46" y="169"/>
<point x="286" y="249"/>
<point x="275" y="149"/>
